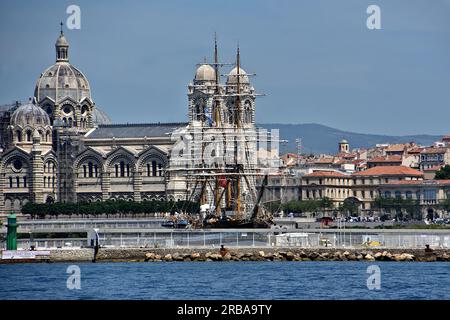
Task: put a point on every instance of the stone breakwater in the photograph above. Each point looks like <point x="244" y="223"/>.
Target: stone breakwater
<point x="251" y="254"/>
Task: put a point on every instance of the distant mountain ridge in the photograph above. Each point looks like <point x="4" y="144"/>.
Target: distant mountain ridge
<point x="317" y="138"/>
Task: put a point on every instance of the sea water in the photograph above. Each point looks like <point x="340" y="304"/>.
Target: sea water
<point x="226" y="280"/>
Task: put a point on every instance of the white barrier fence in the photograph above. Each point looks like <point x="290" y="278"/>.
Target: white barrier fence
<point x="187" y="239"/>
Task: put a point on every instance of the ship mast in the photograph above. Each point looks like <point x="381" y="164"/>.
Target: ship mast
<point x="238" y="126"/>
<point x="217" y="120"/>
<point x="226" y="181"/>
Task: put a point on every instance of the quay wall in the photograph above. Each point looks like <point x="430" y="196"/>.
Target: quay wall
<point x="247" y="254"/>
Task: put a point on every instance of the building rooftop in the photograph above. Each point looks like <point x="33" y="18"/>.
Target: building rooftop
<point x="134" y="130"/>
<point x="434" y="150"/>
<point x="390" y="171"/>
<point x="418" y="182"/>
<point x="395" y="148"/>
<point x="394" y="158"/>
<point x="325" y="173"/>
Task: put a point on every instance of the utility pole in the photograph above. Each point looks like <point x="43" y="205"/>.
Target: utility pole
<point x="298" y="143"/>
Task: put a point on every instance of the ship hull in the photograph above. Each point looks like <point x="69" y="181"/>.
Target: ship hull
<point x="237" y="224"/>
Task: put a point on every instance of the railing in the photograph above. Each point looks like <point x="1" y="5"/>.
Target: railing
<point x="259" y="238"/>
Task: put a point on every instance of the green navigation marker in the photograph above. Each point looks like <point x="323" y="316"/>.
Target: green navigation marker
<point x="11" y="238"/>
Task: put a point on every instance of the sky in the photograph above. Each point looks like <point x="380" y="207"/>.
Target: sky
<point x="315" y="60"/>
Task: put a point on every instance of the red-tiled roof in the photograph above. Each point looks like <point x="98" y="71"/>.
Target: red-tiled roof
<point x="394" y="158"/>
<point x="434" y="150"/>
<point x="395" y="148"/>
<point x="325" y="173"/>
<point x="324" y="160"/>
<point x="404" y="182"/>
<point x="415" y="150"/>
<point x="390" y="171"/>
<point x="418" y="182"/>
<point x="289" y="155"/>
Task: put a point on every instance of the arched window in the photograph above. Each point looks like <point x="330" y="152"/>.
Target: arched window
<point x="53" y="182"/>
<point x="10" y="182"/>
<point x="122" y="169"/>
<point x="91" y="169"/>
<point x="117" y="170"/>
<point x="387" y="194"/>
<point x="17" y="182"/>
<point x="247" y="112"/>
<point x="19" y="136"/>
<point x="153" y="168"/>
<point x="408" y="195"/>
<point x="197" y="113"/>
<point x="128" y="170"/>
<point x="28" y="135"/>
<point x="84" y="170"/>
<point x="96" y="170"/>
<point x="47" y="136"/>
<point x="398" y="194"/>
<point x="45" y="181"/>
<point x="148" y="169"/>
<point x="24" y="181"/>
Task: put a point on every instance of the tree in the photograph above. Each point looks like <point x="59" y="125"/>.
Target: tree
<point x="445" y="205"/>
<point x="348" y="208"/>
<point x="325" y="203"/>
<point x="443" y="173"/>
<point x="108" y="207"/>
<point x="399" y="205"/>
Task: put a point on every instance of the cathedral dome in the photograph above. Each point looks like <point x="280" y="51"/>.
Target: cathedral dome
<point x="100" y="117"/>
<point x="232" y="77"/>
<point x="62" y="79"/>
<point x="205" y="73"/>
<point x="30" y="115"/>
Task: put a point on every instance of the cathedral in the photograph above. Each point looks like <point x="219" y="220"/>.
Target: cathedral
<point x="61" y="147"/>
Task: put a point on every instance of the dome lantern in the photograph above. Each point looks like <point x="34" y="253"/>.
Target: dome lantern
<point x="62" y="48"/>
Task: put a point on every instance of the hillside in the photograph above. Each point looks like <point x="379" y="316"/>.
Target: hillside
<point x="318" y="138"/>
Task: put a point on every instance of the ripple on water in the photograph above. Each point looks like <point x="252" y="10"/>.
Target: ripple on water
<point x="227" y="280"/>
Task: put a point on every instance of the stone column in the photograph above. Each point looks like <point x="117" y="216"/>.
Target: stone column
<point x="90" y="122"/>
<point x="57" y="111"/>
<point x="75" y="186"/>
<point x="37" y="174"/>
<point x="137" y="185"/>
<point x="2" y="196"/>
<point x="106" y="186"/>
<point x="77" y="116"/>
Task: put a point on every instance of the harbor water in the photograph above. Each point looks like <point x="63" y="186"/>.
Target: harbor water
<point x="227" y="280"/>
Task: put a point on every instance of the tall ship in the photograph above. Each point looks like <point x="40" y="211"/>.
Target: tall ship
<point x="219" y="150"/>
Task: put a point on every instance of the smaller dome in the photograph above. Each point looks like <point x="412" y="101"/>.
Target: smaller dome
<point x="205" y="73"/>
<point x="30" y="115"/>
<point x="232" y="77"/>
<point x="343" y="141"/>
<point x="100" y="117"/>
